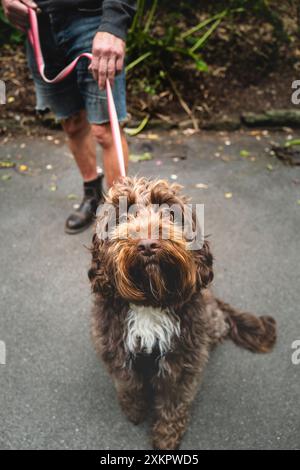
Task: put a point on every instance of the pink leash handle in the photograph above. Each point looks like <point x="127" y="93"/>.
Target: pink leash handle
<point x="33" y="36"/>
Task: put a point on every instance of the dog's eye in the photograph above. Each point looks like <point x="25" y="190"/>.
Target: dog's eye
<point x="167" y="214"/>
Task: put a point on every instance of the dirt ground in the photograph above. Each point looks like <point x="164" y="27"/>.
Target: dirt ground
<point x="250" y="68"/>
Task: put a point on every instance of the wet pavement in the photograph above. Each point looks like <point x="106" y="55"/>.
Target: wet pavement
<point x="55" y="393"/>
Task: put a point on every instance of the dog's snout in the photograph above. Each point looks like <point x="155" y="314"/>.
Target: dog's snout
<point x="148" y="247"/>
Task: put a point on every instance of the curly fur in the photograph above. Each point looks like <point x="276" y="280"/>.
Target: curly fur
<point x="155" y="322"/>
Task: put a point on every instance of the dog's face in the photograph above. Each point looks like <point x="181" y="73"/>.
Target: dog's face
<point x="145" y="255"/>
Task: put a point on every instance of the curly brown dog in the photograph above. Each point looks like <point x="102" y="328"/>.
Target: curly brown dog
<point x="154" y="319"/>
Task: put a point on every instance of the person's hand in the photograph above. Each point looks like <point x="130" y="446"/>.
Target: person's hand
<point x="108" y="58"/>
<point x="16" y="12"/>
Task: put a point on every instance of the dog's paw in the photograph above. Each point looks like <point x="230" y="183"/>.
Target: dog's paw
<point x="165" y="436"/>
<point x="165" y="443"/>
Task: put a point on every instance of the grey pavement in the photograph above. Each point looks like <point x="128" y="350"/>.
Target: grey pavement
<point x="54" y="392"/>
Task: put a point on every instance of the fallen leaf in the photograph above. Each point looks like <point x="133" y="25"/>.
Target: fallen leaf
<point x="49" y="167"/>
<point x="173" y="177"/>
<point x="291" y="143"/>
<point x="7" y="165"/>
<point x="5" y="177"/>
<point x="71" y="197"/>
<point x="244" y="153"/>
<point x="10" y="99"/>
<point x="140" y="157"/>
<point x="228" y="195"/>
<point x="201" y="186"/>
<point x="158" y="162"/>
<point x="153" y="136"/>
<point x="189" y="131"/>
<point x="56" y="141"/>
<point x="270" y="167"/>
<point x="53" y="187"/>
<point x="254" y="133"/>
<point x="142" y="136"/>
<point x="137" y="130"/>
<point x="23" y="168"/>
<point x="298" y="202"/>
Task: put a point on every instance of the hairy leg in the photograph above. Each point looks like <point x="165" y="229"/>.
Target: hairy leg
<point x="172" y="409"/>
<point x="217" y="324"/>
<point x="103" y="136"/>
<point x="82" y="144"/>
<point x="132" y="397"/>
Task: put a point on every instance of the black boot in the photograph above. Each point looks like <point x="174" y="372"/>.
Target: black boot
<point x="84" y="216"/>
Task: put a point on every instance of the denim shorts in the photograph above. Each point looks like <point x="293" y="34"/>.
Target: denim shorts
<point x="63" y="37"/>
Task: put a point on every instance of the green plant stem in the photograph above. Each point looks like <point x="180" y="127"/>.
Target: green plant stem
<point x="150" y="16"/>
<point x="208" y="33"/>
<point x="139" y="14"/>
<point x="201" y="25"/>
<point x="137" y="130"/>
<point x="291" y="143"/>
<point x="137" y="61"/>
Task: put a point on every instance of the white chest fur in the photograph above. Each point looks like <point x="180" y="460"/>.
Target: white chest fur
<point x="147" y="326"/>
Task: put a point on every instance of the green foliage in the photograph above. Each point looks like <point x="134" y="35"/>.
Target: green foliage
<point x="164" y="41"/>
<point x="8" y="34"/>
<point x="156" y="52"/>
<point x="159" y="47"/>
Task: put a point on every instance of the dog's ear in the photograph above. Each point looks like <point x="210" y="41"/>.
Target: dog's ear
<point x="162" y="192"/>
<point x="125" y="188"/>
<point x="101" y="272"/>
<point x="204" y="261"/>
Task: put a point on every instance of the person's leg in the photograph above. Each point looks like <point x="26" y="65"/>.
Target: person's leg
<point x="103" y="136"/>
<point x="82" y="144"/>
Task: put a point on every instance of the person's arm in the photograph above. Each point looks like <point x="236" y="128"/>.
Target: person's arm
<point x="16" y="12"/>
<point x="117" y="16"/>
<point x="109" y="42"/>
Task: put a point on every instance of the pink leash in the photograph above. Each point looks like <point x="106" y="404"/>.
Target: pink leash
<point x="33" y="36"/>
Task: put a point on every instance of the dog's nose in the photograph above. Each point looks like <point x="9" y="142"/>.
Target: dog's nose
<point x="148" y="247"/>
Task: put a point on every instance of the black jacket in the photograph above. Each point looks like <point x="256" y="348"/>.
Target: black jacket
<point x="116" y="15"/>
